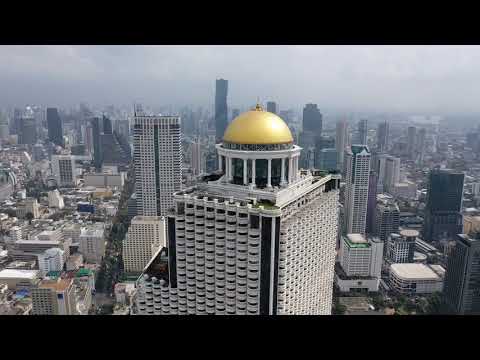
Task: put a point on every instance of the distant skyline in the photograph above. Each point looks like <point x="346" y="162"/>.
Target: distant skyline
<point x="424" y="79"/>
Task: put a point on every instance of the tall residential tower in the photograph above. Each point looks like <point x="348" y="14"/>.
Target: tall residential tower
<point x="158" y="162"/>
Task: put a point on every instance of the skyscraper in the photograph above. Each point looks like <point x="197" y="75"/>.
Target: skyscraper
<point x="54" y="125"/>
<point x="259" y="239"/>
<point x="462" y="278"/>
<point x="362" y="132"/>
<point x="421" y="143"/>
<point x="312" y="119"/>
<point x="357" y="160"/>
<point x="198" y="158"/>
<point x="392" y="173"/>
<point x="4" y="131"/>
<point x="272" y="107"/>
<point x="28" y="130"/>
<point x="411" y="137"/>
<point x="326" y="159"/>
<point x="443" y="218"/>
<point x="340" y="142"/>
<point x="15" y="124"/>
<point x="221" y="109"/>
<point x="158" y="162"/>
<point x="372" y="201"/>
<point x="382" y="136"/>
<point x="97" y="145"/>
<point x="107" y="126"/>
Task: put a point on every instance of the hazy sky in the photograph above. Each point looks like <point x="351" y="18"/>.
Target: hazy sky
<point x="410" y="78"/>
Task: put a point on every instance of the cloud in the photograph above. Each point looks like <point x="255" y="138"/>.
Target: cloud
<point x="410" y="78"/>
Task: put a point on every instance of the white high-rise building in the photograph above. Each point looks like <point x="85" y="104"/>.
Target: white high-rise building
<point x="55" y="200"/>
<point x="198" y="158"/>
<point x="357" y="160"/>
<point x="158" y="162"/>
<point x="63" y="168"/>
<point x="145" y="236"/>
<point x="51" y="260"/>
<point x="92" y="244"/>
<point x="259" y="239"/>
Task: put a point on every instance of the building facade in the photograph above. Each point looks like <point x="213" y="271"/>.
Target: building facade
<point x="401" y="247"/>
<point x="64" y="169"/>
<point x="387" y="219"/>
<point x="145" y="236"/>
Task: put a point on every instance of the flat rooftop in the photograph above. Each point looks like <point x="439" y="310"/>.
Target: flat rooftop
<point x="356" y="241"/>
<point x="38" y="242"/>
<point x="18" y="274"/>
<point x="409" y="233"/>
<point x="59" y="285"/>
<point x="414" y="272"/>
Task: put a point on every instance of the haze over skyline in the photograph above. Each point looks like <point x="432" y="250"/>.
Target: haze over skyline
<point x="436" y="79"/>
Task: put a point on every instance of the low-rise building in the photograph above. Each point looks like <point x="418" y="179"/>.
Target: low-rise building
<point x="360" y="264"/>
<point x="19" y="279"/>
<point x="414" y="278"/>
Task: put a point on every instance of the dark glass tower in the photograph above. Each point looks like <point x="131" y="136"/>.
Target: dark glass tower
<point x="372" y="201"/>
<point x="312" y="119"/>
<point x="443" y="218"/>
<point x="54" y="125"/>
<point x="272" y="107"/>
<point x="28" y="131"/>
<point x="362" y="132"/>
<point x="382" y="136"/>
<point x="107" y="126"/>
<point x="221" y="109"/>
<point x="462" y="279"/>
<point x="97" y="151"/>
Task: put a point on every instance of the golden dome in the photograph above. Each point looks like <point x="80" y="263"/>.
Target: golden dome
<point x="257" y="127"/>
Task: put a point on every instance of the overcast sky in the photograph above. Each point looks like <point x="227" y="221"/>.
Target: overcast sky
<point x="405" y="78"/>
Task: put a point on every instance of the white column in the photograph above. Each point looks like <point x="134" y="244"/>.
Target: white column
<point x="230" y="172"/>
<point x="282" y="181"/>
<point x="295" y="168"/>
<point x="290" y="170"/>
<point x="245" y="180"/>
<point x="253" y="172"/>
<point x="220" y="165"/>
<point x="269" y="175"/>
